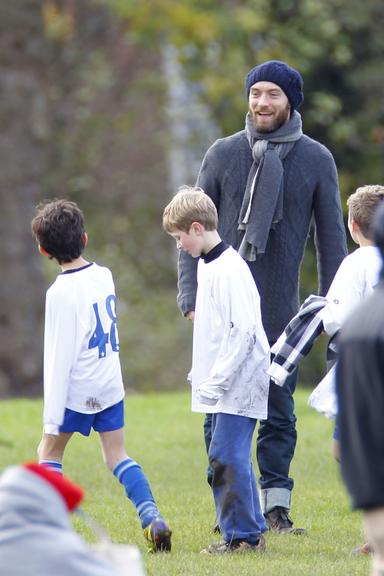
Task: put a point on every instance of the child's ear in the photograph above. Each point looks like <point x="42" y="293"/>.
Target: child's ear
<point x="85" y="239"/>
<point x="354" y="225"/>
<point x="43" y="251"/>
<point x="197" y="228"/>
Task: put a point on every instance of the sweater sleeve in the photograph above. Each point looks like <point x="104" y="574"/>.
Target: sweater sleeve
<point x="330" y="237"/>
<point x="187" y="282"/>
<point x="187" y="266"/>
<point x="59" y="353"/>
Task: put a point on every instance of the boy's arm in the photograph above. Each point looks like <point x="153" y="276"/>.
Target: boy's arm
<point x="59" y="352"/>
<point x="343" y="296"/>
<point x="242" y="332"/>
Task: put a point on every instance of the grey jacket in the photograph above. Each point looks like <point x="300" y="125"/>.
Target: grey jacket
<point x="310" y="191"/>
<point x="36" y="535"/>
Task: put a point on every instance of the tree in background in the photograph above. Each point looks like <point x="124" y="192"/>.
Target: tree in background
<point x="336" y="44"/>
<point x="87" y="114"/>
<point x="24" y="153"/>
<point x="82" y="110"/>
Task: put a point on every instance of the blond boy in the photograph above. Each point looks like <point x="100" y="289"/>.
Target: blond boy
<point x="229" y="362"/>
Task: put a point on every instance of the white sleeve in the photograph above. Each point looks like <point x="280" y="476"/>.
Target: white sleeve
<point x="59" y="354"/>
<point x="343" y="296"/>
<point x="323" y="398"/>
<point x="242" y="329"/>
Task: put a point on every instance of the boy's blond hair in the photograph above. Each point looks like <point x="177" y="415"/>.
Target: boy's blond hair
<point x="362" y="206"/>
<point x="190" y="204"/>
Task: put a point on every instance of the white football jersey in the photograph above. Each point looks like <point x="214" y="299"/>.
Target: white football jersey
<point x="230" y="349"/>
<point x="81" y="345"/>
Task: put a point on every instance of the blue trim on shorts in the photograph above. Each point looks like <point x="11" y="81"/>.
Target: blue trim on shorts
<point x="107" y="420"/>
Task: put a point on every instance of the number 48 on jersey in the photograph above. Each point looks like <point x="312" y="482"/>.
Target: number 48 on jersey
<point x="99" y="338"/>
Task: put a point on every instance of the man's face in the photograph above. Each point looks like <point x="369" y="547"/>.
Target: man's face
<point x="268" y="106"/>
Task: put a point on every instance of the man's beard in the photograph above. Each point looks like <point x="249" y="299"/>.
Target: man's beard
<point x="276" y="122"/>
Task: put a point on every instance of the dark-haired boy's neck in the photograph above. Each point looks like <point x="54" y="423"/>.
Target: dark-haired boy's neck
<point x="74" y="264"/>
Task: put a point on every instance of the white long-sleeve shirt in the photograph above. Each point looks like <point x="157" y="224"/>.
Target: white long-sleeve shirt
<point x="230" y="348"/>
<point x="355" y="279"/>
<point x="81" y="345"/>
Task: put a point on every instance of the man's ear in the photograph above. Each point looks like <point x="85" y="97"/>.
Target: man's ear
<point x="85" y="239"/>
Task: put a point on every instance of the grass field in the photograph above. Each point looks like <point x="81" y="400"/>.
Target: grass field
<point x="163" y="435"/>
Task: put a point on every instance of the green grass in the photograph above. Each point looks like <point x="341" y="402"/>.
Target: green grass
<point x="166" y="438"/>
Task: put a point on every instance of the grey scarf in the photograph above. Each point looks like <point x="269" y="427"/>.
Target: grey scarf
<point x="262" y="206"/>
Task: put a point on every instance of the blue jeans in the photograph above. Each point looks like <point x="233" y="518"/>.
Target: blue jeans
<point x="233" y="480"/>
<point x="276" y="442"/>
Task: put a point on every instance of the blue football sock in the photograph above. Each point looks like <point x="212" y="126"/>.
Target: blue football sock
<point x="130" y="474"/>
<point x="54" y="465"/>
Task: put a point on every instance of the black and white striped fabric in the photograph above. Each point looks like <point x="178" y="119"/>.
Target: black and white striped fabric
<point x="297" y="339"/>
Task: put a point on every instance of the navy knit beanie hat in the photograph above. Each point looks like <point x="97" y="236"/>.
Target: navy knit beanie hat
<point x="287" y="78"/>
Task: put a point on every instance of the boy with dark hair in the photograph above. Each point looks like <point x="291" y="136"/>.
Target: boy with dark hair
<point x="83" y="386"/>
<point x="230" y="358"/>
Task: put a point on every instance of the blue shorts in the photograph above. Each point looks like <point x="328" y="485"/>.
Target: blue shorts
<point x="111" y="418"/>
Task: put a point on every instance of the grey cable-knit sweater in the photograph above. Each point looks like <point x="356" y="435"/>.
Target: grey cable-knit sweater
<point x="310" y="190"/>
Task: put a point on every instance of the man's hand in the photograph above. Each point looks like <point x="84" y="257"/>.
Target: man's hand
<point x="190" y="315"/>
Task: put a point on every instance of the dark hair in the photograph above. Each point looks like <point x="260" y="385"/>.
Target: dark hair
<point x="59" y="228"/>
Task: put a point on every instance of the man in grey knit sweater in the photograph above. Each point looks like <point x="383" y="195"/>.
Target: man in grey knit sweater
<point x="269" y="182"/>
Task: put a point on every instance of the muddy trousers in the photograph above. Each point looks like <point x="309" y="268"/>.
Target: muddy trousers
<point x="233" y="479"/>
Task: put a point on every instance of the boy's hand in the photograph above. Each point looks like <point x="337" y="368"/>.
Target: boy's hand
<point x="205" y="400"/>
<point x="190" y="315"/>
<point x="206" y="396"/>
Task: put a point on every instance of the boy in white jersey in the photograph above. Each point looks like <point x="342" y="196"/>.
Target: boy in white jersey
<point x="83" y="386"/>
<point x="230" y="358"/>
<point x="355" y="279"/>
<point x="359" y="272"/>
